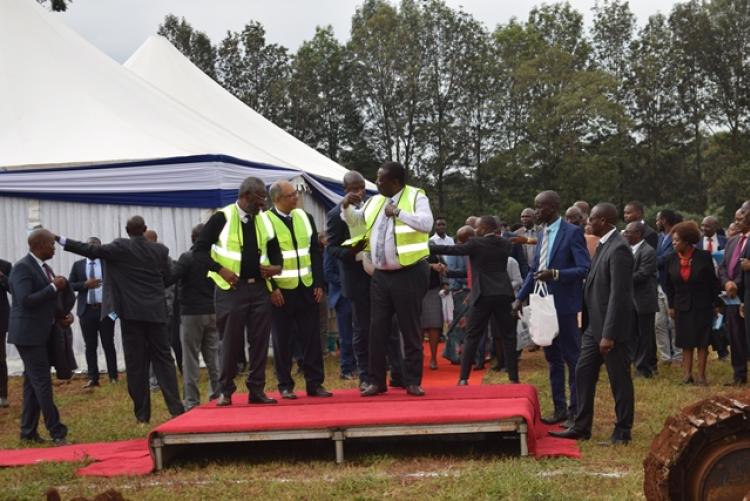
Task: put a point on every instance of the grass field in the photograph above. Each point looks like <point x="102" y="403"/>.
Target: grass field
<point x="396" y="470"/>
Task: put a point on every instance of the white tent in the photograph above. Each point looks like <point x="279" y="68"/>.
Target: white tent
<point x="158" y="62"/>
<point x="85" y="143"/>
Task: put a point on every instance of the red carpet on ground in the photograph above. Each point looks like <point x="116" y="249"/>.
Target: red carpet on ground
<point x="126" y="457"/>
<point x="443" y="403"/>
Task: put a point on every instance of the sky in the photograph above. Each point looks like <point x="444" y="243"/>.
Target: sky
<point x="118" y="27"/>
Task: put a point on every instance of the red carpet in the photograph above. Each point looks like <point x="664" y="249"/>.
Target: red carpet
<point x="443" y="403"/>
<point x="446" y="373"/>
<point x="347" y="409"/>
<point x="127" y="457"/>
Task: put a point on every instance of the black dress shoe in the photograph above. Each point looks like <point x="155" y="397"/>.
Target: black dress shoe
<point x="559" y="416"/>
<point x="319" y="392"/>
<point x="462" y="382"/>
<point x="59" y="442"/>
<point x="261" y="398"/>
<point x="90" y="384"/>
<point x="33" y="439"/>
<point x="616" y="440"/>
<point x="288" y="394"/>
<point x="571" y="434"/>
<point x="224" y="400"/>
<point x="370" y="390"/>
<point x="415" y="390"/>
<point x="479" y="367"/>
<point x="736" y="382"/>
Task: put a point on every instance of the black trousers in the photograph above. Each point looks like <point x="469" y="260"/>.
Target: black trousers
<point x="37" y="393"/>
<point x="643" y="343"/>
<point x="246" y="307"/>
<point x="93" y="328"/>
<point x="503" y="328"/>
<point x="147" y="343"/>
<point x="299" y="316"/>
<point x="3" y="367"/>
<point x="737" y="341"/>
<point x="397" y="293"/>
<point x="617" y="362"/>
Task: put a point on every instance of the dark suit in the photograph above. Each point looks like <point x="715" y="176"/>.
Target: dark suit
<point x="570" y="256"/>
<point x="491" y="296"/>
<point x="650" y="236"/>
<point x="693" y="301"/>
<point x="94" y="323"/>
<point x="645" y="306"/>
<point x="5" y="269"/>
<point x="31" y="320"/>
<point x="355" y="285"/>
<point x="137" y="271"/>
<point x="734" y="322"/>
<point x="608" y="298"/>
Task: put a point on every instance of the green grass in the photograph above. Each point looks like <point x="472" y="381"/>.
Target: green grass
<point x="396" y="470"/>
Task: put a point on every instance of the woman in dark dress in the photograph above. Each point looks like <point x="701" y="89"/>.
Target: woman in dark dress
<point x="693" y="293"/>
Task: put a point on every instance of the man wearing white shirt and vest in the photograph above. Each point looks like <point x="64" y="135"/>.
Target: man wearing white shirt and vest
<point x="238" y="246"/>
<point x="297" y="291"/>
<point x="397" y="223"/>
<point x="86" y="278"/>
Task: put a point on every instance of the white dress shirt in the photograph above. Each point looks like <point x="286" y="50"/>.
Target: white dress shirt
<point x="421" y="220"/>
<point x="97" y="274"/>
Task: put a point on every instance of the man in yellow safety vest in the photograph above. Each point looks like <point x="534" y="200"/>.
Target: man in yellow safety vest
<point x="397" y="224"/>
<point x="297" y="292"/>
<point x="238" y="245"/>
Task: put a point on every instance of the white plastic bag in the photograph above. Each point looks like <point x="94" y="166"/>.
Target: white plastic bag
<point x="542" y="315"/>
<point x="523" y="339"/>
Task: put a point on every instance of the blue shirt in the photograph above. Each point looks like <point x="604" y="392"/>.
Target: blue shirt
<point x="551" y="233"/>
<point x="457" y="263"/>
<point x="97" y="274"/>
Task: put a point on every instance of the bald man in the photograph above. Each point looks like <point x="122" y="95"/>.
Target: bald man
<point x="137" y="271"/>
<point x="297" y="290"/>
<point x="562" y="261"/>
<point x="34" y="288"/>
<point x="608" y="297"/>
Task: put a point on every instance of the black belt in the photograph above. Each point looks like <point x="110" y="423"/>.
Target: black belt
<point x="94" y="305"/>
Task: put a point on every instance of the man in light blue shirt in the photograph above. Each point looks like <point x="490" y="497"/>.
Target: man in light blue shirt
<point x="87" y="278"/>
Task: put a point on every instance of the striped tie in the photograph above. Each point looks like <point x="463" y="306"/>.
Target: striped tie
<point x="544" y="252"/>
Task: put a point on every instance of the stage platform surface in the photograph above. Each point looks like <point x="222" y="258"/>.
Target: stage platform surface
<point x="511" y="408"/>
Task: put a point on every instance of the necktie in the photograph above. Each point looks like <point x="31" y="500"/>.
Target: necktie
<point x="710" y="245"/>
<point x="48" y="271"/>
<point x="380" y="245"/>
<point x="732" y="268"/>
<point x="544" y="252"/>
<point x="92" y="291"/>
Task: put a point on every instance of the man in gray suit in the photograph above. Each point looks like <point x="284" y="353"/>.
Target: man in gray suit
<point x="137" y="272"/>
<point x="608" y="305"/>
<point x="34" y="287"/>
<point x="645" y="305"/>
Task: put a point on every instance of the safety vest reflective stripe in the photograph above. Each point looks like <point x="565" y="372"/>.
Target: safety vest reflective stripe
<point x="237" y="256"/>
<point x="402" y="249"/>
<point x="297" y="261"/>
<point x="227" y="251"/>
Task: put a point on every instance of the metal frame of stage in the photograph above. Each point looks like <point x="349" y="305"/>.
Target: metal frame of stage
<point x="161" y="444"/>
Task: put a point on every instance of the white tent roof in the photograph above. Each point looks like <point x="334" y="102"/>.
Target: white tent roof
<point x="62" y="101"/>
<point x="158" y="62"/>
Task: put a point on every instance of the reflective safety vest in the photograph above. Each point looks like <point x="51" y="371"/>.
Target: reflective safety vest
<point x="297" y="260"/>
<point x="227" y="251"/>
<point x="411" y="245"/>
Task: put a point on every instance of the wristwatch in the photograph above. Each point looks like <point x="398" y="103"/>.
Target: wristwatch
<point x="398" y="211"/>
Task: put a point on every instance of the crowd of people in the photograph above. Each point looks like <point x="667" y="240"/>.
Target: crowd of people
<point x="626" y="299"/>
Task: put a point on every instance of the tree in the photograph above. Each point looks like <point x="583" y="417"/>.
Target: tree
<point x="195" y="45"/>
<point x="257" y="73"/>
